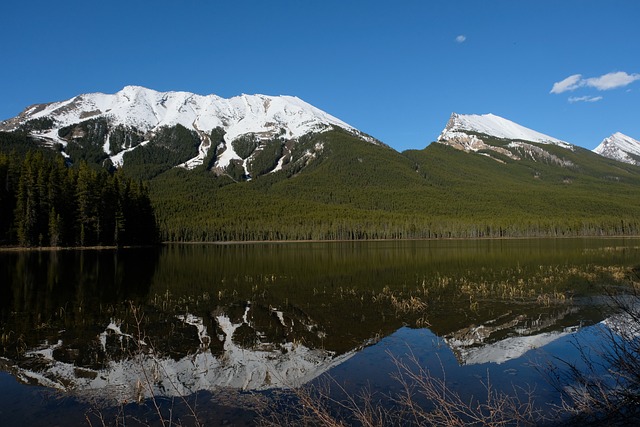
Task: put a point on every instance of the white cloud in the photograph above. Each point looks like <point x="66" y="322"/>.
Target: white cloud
<point x="461" y="38"/>
<point x="573" y="99"/>
<point x="605" y="82"/>
<point x="612" y="80"/>
<point x="570" y="83"/>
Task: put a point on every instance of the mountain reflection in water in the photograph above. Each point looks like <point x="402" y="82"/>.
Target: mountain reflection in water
<point x="128" y="324"/>
<point x="262" y="366"/>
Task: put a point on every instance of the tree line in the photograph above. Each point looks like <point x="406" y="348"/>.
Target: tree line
<point x="45" y="202"/>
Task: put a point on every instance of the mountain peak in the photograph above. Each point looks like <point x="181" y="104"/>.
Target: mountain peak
<point x="134" y="89"/>
<point x="620" y="147"/>
<point x="145" y="111"/>
<point x="495" y="126"/>
<point x="477" y="133"/>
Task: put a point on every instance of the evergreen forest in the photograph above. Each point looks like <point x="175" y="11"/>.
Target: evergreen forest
<point x="46" y="202"/>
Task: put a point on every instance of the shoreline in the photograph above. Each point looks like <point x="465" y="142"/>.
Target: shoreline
<point x="70" y="248"/>
<point x="256" y="242"/>
<point x="433" y="239"/>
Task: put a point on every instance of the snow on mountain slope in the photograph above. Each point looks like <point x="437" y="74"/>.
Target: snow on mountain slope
<point x="492" y="125"/>
<point x="620" y="147"/>
<point x="467" y="133"/>
<point x="147" y="110"/>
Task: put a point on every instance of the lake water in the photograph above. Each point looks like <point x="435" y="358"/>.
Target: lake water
<point x="97" y="333"/>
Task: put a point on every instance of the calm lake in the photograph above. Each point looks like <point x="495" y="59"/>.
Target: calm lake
<point x="97" y="333"/>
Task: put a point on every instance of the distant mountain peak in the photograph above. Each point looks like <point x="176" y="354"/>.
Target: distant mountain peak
<point x="620" y="147"/>
<point x="473" y="133"/>
<point x="495" y="126"/>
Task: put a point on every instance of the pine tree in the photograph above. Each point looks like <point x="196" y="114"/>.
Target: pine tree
<point x="55" y="228"/>
<point x="26" y="212"/>
<point x="118" y="226"/>
<point x="86" y="200"/>
<point x="9" y="175"/>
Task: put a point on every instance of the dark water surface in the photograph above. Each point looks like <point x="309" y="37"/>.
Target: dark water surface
<point x="102" y="331"/>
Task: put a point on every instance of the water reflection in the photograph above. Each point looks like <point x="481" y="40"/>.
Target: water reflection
<point x="133" y="323"/>
<point x="495" y="340"/>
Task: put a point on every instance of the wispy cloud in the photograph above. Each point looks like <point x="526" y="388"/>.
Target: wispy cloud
<point x="605" y="82"/>
<point x="461" y="38"/>
<point x="573" y="99"/>
<point x="612" y="80"/>
<point x="570" y="83"/>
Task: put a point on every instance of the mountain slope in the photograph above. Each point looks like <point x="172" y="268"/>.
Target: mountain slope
<point x="470" y="133"/>
<point x="533" y="185"/>
<point x="620" y="147"/>
<point x="356" y="190"/>
<point x="228" y="133"/>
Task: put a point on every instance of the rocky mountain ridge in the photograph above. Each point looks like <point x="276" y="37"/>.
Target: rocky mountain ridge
<point x="620" y="147"/>
<point x="122" y="122"/>
<point x="497" y="137"/>
<point x="263" y="129"/>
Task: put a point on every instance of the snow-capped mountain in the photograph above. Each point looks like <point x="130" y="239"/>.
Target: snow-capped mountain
<point x="143" y="111"/>
<point x="620" y="147"/>
<point x="492" y="125"/>
<point x="472" y="132"/>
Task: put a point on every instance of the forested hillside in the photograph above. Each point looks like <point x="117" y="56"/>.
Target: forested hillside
<point x="45" y="202"/>
<point x="356" y="190"/>
<point x="333" y="185"/>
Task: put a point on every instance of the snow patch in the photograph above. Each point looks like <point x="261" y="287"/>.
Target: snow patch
<point x="536" y="153"/>
<point x="118" y="159"/>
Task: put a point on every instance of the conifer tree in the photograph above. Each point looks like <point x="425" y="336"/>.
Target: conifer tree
<point x="87" y="206"/>
<point x="26" y="213"/>
<point x="55" y="228"/>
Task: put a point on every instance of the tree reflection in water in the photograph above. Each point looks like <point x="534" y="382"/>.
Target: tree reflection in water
<point x="265" y="316"/>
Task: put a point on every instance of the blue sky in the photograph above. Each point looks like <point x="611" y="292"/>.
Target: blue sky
<point x="396" y="70"/>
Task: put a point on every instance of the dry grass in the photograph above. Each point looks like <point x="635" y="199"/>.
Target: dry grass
<point x="603" y="387"/>
<point x="423" y="399"/>
<point x="593" y="393"/>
